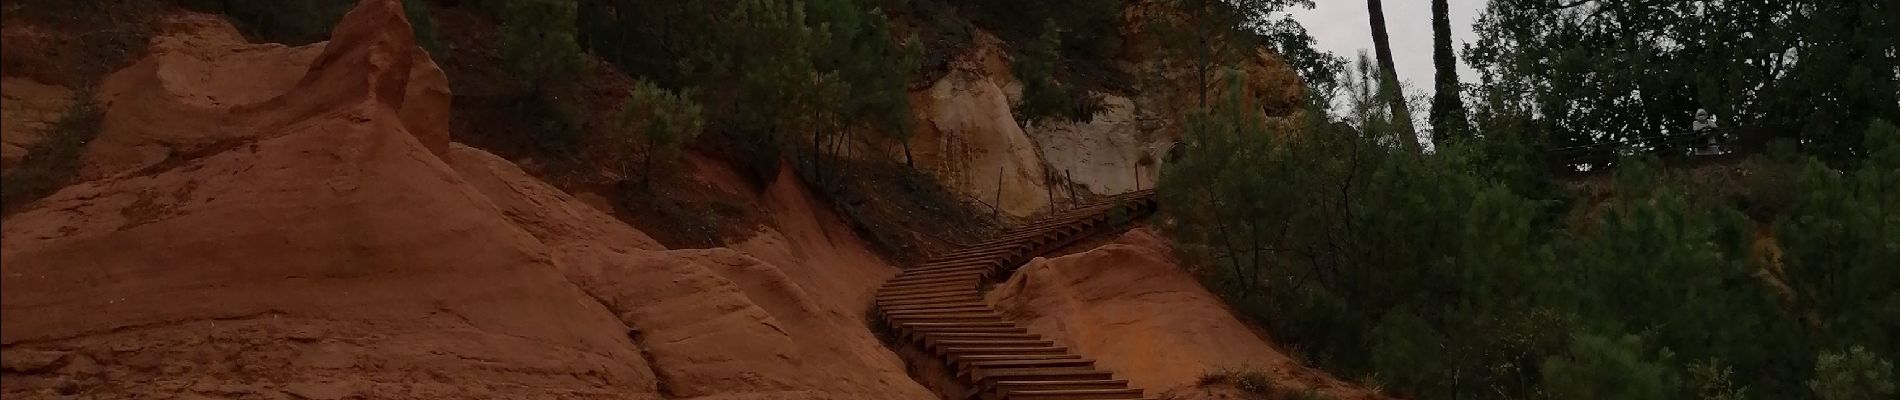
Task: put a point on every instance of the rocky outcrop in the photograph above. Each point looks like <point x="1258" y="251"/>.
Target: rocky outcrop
<point x="720" y="323"/>
<point x="202" y="87"/>
<point x="1132" y="308"/>
<point x="967" y="137"/>
<point x="326" y="253"/>
<point x="308" y="231"/>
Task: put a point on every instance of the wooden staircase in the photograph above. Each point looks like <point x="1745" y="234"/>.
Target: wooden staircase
<point x="938" y="306"/>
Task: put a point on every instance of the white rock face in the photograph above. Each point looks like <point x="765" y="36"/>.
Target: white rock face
<point x="968" y="138"/>
<point x="1107" y="155"/>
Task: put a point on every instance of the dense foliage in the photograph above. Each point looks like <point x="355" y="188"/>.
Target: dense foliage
<point x="810" y="77"/>
<point x="544" y="66"/>
<point x="1447" y="275"/>
<point x="1600" y="70"/>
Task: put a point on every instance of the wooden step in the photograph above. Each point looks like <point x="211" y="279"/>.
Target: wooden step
<point x="899" y="298"/>
<point x="943" y="288"/>
<point x="954" y="259"/>
<point x="1017" y="238"/>
<point x="980" y="271"/>
<point x="942" y="345"/>
<point x="965" y="280"/>
<point x="930" y="339"/>
<point x="967" y="284"/>
<point x="1053" y="363"/>
<point x="1013" y="248"/>
<point x="950" y="298"/>
<point x="965" y="271"/>
<point x="1072" y="394"/>
<point x="937" y="306"/>
<point x="966" y="361"/>
<point x="931" y="325"/>
<point x="940" y="311"/>
<point x="985" y="249"/>
<point x="902" y="282"/>
<point x="989" y="377"/>
<point x="939" y="265"/>
<point x="916" y="330"/>
<point x="963" y="317"/>
<point x="996" y="343"/>
<point x="944" y="298"/>
<point x="1007" y="386"/>
<point x="938" y="298"/>
<point x="919" y="332"/>
<point x="956" y="353"/>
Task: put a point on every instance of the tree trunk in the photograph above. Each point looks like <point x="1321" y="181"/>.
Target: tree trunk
<point x="1203" y="57"/>
<point x="1389" y="77"/>
<point x="1448" y="109"/>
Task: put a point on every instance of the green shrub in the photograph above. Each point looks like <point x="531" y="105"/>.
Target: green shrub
<point x="1598" y="367"/>
<point x="656" y="122"/>
<point x="1840" y="238"/>
<point x="1711" y="380"/>
<point x="1250" y="381"/>
<point x="1088" y="27"/>
<point x="1256" y="385"/>
<point x="1852" y="375"/>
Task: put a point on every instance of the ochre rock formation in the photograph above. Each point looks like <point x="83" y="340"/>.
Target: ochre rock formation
<point x="202" y="87"/>
<point x="720" y="323"/>
<point x="327" y="254"/>
<point x="967" y="137"/>
<point x="260" y="221"/>
<point x="1131" y="307"/>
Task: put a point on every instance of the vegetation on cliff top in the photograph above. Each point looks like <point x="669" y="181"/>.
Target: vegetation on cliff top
<point x="1473" y="272"/>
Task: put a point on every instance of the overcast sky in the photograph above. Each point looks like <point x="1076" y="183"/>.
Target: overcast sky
<point x="1341" y="27"/>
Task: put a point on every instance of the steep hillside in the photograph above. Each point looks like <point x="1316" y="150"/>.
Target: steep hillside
<point x="219" y="216"/>
<point x="315" y="235"/>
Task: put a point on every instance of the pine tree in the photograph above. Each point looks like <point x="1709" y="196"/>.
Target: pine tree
<point x="873" y="66"/>
<point x="780" y="90"/>
<point x="1043" y="97"/>
<point x="1389" y="77"/>
<point x="1448" y="119"/>
<point x="657" y="122"/>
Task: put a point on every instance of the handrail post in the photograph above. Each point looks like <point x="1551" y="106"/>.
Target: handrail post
<point x="999" y="193"/>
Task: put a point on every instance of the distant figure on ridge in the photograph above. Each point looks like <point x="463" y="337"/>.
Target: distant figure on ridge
<point x="1702" y="125"/>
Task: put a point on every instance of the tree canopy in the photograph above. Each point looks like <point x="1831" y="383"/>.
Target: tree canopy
<point x="1592" y="71"/>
